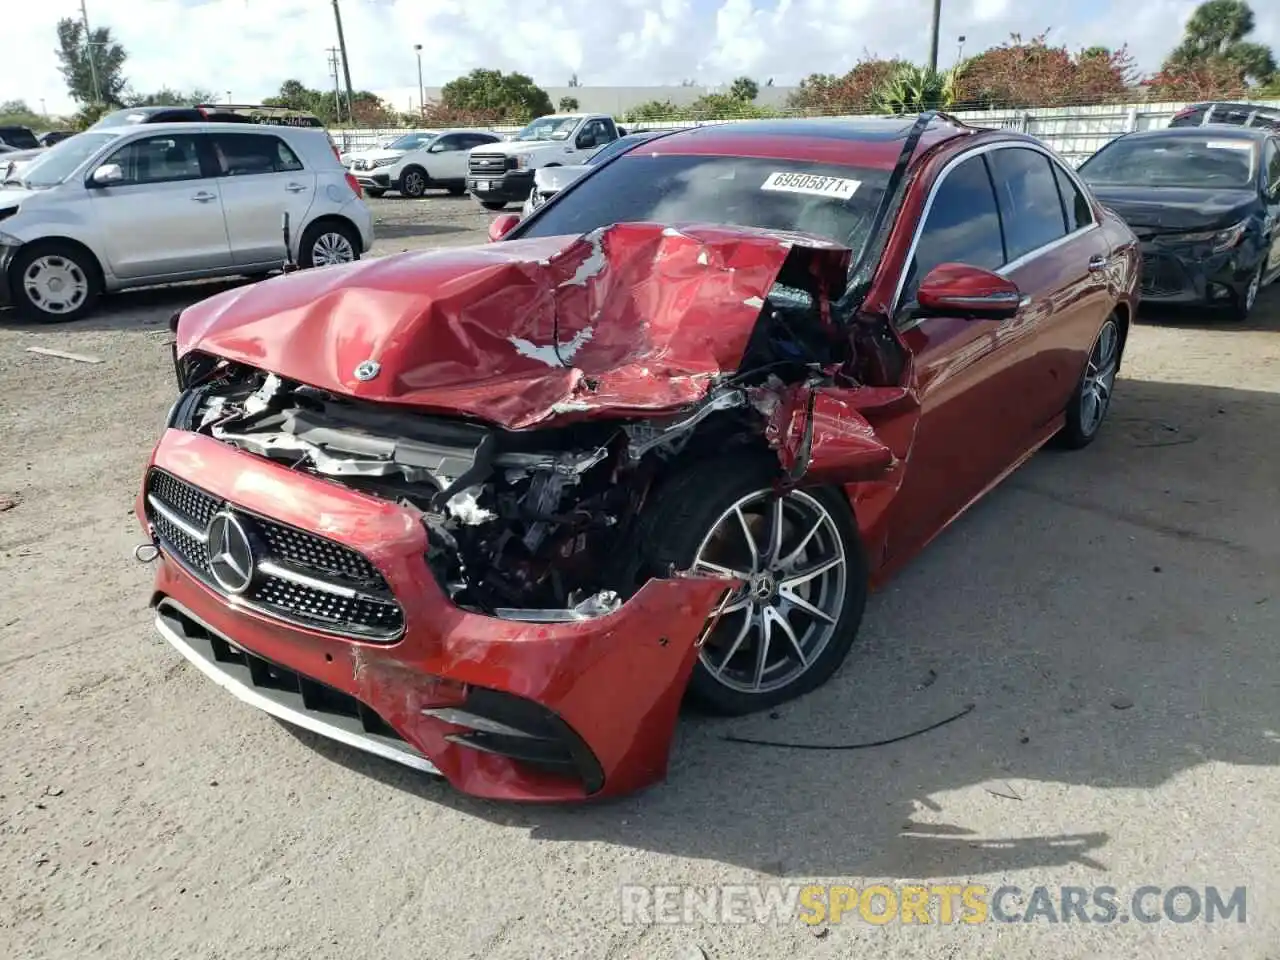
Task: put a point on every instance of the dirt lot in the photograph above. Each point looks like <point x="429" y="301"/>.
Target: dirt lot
<point x="1113" y="614"/>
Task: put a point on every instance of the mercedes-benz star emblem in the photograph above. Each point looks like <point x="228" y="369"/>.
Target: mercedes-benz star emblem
<point x="230" y="553"/>
<point x="368" y="370"/>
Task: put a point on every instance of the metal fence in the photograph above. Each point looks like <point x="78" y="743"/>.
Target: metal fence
<point x="1076" y="133"/>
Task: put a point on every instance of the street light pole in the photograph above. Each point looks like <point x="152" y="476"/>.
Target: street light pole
<point x="933" y="35"/>
<point x="422" y="99"/>
<point x="88" y="44"/>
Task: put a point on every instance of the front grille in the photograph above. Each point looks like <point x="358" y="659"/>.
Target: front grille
<point x="489" y="163"/>
<point x="297" y="576"/>
<point x="1162" y="275"/>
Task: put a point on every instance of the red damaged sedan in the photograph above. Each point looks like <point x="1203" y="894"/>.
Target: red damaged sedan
<point x="495" y="512"/>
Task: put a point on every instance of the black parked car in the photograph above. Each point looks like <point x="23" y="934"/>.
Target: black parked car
<point x="1204" y="202"/>
<point x="1236" y="114"/>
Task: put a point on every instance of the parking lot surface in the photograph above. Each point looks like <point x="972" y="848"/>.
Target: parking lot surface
<point x="1112" y="615"/>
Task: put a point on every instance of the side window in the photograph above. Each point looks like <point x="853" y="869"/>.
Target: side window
<point x="594" y="133"/>
<point x="963" y="226"/>
<point x="159" y="159"/>
<point x="447" y="144"/>
<point x="480" y="139"/>
<point x="1074" y="203"/>
<point x="246" y="154"/>
<point x="1030" y="207"/>
<point x="1271" y="158"/>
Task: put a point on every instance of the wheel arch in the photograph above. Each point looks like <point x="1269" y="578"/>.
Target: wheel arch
<point x="102" y="274"/>
<point x="333" y="218"/>
<point x="1123" y="313"/>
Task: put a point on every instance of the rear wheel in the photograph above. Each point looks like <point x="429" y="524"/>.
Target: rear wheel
<point x="413" y="182"/>
<point x="328" y="242"/>
<point x="1092" y="397"/>
<point x="791" y="625"/>
<point x="494" y="204"/>
<point x="54" y="282"/>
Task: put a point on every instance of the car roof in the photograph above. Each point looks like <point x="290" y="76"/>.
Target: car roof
<point x="1218" y="131"/>
<point x="862" y="141"/>
<point x="207" y="126"/>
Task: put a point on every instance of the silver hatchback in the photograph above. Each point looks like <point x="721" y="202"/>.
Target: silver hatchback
<point x="135" y="206"/>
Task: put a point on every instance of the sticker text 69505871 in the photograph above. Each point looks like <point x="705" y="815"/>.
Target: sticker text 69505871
<point x="837" y="188"/>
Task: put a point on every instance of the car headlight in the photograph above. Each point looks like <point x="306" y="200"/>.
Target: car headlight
<point x="1220" y="240"/>
<point x="523" y="160"/>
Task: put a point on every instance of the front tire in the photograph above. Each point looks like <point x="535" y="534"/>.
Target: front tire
<point x="1248" y="297"/>
<point x="413" y="182"/>
<point x="494" y="204"/>
<point x="1091" y="399"/>
<point x="54" y="282"/>
<point x="791" y="626"/>
<point x="328" y="242"/>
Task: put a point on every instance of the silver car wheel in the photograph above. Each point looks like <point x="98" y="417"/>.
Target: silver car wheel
<point x="55" y="284"/>
<point x="789" y="553"/>
<point x="1099" y="378"/>
<point x="331" y="248"/>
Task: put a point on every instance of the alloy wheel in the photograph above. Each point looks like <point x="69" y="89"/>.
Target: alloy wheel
<point x="331" y="248"/>
<point x="1099" y="378"/>
<point x="55" y="284"/>
<point x="790" y="555"/>
<point x="414" y="184"/>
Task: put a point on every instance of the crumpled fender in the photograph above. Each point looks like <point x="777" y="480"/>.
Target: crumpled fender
<point x="628" y="319"/>
<point x="821" y="436"/>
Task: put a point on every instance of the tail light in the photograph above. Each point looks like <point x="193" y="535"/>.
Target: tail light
<point x="354" y="184"/>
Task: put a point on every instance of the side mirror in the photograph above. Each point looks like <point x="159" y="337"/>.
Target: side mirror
<point x="436" y="148"/>
<point x="960" y="290"/>
<point x="585" y="141"/>
<point x="107" y="174"/>
<point x="502" y="224"/>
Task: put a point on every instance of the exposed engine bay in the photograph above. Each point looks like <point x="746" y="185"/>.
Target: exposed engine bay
<point x="537" y="524"/>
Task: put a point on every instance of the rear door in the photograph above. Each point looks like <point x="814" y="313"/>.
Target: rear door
<point x="262" y="179"/>
<point x="1062" y="263"/>
<point x="165" y="217"/>
<point x="447" y="157"/>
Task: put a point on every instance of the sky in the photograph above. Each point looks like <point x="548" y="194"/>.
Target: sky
<point x="248" y="48"/>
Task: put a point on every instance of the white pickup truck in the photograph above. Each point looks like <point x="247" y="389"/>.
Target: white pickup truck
<point x="502" y="173"/>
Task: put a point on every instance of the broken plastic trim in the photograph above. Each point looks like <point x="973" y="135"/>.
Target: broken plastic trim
<point x="599" y="605"/>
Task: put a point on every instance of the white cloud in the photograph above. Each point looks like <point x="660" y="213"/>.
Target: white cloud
<point x="248" y="48"/>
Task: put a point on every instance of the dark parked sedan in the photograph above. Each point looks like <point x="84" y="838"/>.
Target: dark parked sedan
<point x="1204" y="202"/>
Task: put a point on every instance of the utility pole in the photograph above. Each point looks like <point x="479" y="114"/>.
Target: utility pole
<point x="422" y="95"/>
<point x="337" y="90"/>
<point x="88" y="45"/>
<point x="346" y="66"/>
<point x="933" y="34"/>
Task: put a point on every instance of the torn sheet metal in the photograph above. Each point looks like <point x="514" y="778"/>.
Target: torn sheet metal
<point x="820" y="436"/>
<point x="628" y="319"/>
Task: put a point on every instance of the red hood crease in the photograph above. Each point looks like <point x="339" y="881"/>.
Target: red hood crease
<point x="645" y="317"/>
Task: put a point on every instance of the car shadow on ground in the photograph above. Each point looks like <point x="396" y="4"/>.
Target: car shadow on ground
<point x="1265" y="315"/>
<point x="146" y="308"/>
<point x="399" y="231"/>
<point x="1072" y="607"/>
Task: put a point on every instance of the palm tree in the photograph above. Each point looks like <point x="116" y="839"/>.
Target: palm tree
<point x="1217" y="31"/>
<point x="913" y="89"/>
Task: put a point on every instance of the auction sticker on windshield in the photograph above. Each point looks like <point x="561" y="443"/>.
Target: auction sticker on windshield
<point x="837" y="188"/>
<point x="1229" y="145"/>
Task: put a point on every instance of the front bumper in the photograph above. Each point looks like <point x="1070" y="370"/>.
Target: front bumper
<point x="501" y="709"/>
<point x="1185" y="276"/>
<point x="6" y="260"/>
<point x="373" y="179"/>
<point x="513" y="186"/>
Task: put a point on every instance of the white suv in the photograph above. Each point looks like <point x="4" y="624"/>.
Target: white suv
<point x="438" y="162"/>
<point x="159" y="203"/>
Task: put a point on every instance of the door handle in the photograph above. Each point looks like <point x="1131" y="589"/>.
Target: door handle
<point x="1097" y="262"/>
<point x="295" y="188"/>
<point x="204" y="196"/>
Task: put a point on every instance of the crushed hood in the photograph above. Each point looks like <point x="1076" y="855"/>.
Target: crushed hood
<point x="627" y="319"/>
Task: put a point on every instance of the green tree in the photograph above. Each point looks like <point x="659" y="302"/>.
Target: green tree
<point x="914" y="89"/>
<point x="18" y="113"/>
<point x="166" y="96"/>
<point x="744" y="89"/>
<point x="369" y="110"/>
<point x="722" y="106"/>
<point x="568" y="104"/>
<point x="510" y="95"/>
<point x="854" y="92"/>
<point x="1217" y="31"/>
<point x="108" y="60"/>
<point x="654" y="110"/>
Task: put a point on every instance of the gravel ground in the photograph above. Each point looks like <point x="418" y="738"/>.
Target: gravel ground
<point x="1112" y="614"/>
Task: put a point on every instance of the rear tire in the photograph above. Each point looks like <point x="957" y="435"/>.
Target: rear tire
<point x="699" y="519"/>
<point x="494" y="204"/>
<point x="54" y="282"/>
<point x="328" y="242"/>
<point x="413" y="182"/>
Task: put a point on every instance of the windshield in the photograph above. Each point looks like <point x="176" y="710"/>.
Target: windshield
<point x="621" y="145"/>
<point x="548" y="128"/>
<point x="121" y="118"/>
<point x="1209" y="161"/>
<point x="411" y="141"/>
<point x="835" y="202"/>
<point x="62" y="159"/>
<point x="19" y="138"/>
